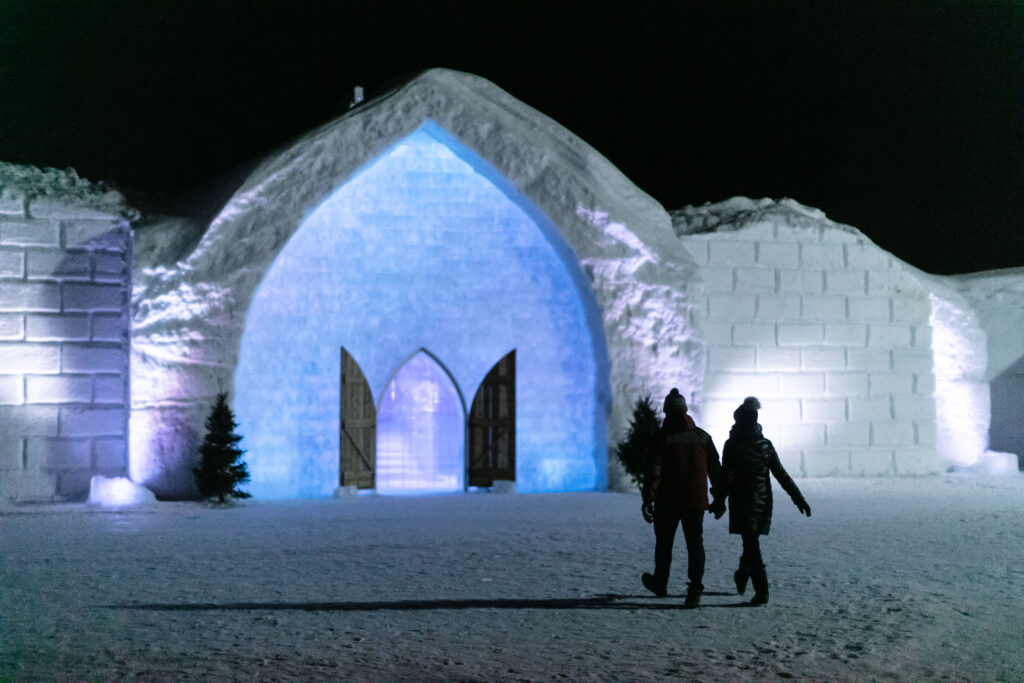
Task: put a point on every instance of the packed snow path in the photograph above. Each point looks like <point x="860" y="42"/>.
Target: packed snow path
<point x="907" y="579"/>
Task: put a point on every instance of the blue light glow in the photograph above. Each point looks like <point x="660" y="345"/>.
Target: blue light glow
<point x="420" y="431"/>
<point x="425" y="248"/>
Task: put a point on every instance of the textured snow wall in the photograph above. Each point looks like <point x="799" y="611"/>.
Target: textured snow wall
<point x="189" y="316"/>
<point x="65" y="248"/>
<point x="962" y="399"/>
<point x="831" y="332"/>
<point x="995" y="301"/>
<point x="420" y="250"/>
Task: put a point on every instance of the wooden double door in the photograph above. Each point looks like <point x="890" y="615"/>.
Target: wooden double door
<point x="491" y="426"/>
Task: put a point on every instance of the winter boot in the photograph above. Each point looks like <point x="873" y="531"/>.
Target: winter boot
<point x="740" y="576"/>
<point x="760" y="580"/>
<point x="692" y="597"/>
<point x="653" y="585"/>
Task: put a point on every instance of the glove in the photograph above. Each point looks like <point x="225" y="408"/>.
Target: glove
<point x="802" y="506"/>
<point x="647" y="510"/>
<point x="717" y="508"/>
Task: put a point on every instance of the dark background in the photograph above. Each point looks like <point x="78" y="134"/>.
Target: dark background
<point x="903" y="118"/>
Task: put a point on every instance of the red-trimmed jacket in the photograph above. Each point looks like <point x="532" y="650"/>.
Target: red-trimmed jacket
<point x="683" y="461"/>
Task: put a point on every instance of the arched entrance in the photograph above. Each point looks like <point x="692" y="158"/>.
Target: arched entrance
<point x="415" y="442"/>
<point x="425" y="248"/>
<point x="420" y="431"/>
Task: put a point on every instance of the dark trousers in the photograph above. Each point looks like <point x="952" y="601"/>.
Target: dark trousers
<point x="666" y="520"/>
<point x="750" y="560"/>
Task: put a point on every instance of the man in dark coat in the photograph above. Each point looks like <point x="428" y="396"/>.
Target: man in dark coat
<point x="747" y="458"/>
<point x="676" y="491"/>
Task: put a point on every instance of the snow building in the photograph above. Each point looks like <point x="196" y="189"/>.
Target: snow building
<point x="865" y="365"/>
<point x="445" y="289"/>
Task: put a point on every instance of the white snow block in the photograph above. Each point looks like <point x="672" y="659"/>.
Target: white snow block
<point x="503" y="486"/>
<point x="118" y="492"/>
<point x="346" y="492"/>
<point x="995" y="463"/>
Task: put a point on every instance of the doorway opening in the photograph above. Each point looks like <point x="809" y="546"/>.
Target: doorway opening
<point x="417" y="440"/>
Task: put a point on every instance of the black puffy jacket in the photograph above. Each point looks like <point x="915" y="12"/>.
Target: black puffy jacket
<point x="747" y="458"/>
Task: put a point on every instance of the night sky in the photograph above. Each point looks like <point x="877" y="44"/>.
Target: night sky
<point x="905" y="119"/>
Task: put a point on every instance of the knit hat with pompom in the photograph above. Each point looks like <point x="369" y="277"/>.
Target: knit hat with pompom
<point x="674" y="402"/>
<point x="747" y="412"/>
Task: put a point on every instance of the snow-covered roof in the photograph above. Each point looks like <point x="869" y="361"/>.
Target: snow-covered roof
<point x="574" y="185"/>
<point x="738" y="213"/>
<point x="65" y="187"/>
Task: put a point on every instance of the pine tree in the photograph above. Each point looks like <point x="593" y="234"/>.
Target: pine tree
<point x="220" y="470"/>
<point x="633" y="451"/>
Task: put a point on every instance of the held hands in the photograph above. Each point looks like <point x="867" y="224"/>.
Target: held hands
<point x="647" y="510"/>
<point x="717" y="508"/>
<point x="803" y="507"/>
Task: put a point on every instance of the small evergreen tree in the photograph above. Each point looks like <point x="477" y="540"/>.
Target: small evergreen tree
<point x="634" y="450"/>
<point x="220" y="470"/>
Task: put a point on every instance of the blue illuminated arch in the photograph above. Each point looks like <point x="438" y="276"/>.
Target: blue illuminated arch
<point x="426" y="246"/>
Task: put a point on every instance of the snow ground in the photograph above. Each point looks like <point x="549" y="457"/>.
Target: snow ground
<point x="906" y="579"/>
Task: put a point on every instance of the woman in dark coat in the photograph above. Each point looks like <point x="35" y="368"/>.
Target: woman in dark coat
<point x="747" y="458"/>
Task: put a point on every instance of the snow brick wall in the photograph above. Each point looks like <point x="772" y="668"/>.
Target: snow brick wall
<point x="830" y="331"/>
<point x="65" y="250"/>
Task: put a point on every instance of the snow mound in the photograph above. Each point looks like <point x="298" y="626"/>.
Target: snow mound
<point x="29" y="182"/>
<point x="118" y="492"/>
<point x="738" y="213"/>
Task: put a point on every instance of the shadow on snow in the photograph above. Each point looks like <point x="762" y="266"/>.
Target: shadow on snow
<point x="603" y="601"/>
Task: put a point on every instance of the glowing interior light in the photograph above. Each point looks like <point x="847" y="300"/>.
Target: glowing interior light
<point x="420" y="431"/>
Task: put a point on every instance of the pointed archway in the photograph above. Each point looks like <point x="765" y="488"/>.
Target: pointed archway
<point x="424" y="249"/>
<point x="420" y="431"/>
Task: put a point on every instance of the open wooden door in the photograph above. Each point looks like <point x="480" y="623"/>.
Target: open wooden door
<point x="358" y="426"/>
<point x="492" y="426"/>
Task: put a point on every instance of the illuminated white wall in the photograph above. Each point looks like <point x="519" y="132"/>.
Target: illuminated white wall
<point x="828" y="330"/>
<point x="64" y="286"/>
<point x="425" y="248"/>
<point x="962" y="397"/>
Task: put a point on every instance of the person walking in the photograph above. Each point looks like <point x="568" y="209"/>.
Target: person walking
<point x="684" y="458"/>
<point x="747" y="458"/>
